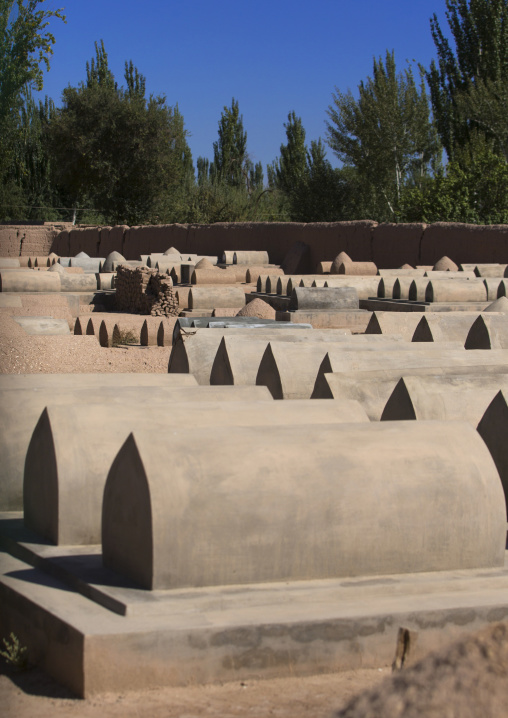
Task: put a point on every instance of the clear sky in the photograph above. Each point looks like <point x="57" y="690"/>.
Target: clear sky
<point x="273" y="57"/>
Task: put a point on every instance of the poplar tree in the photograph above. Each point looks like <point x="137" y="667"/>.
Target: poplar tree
<point x="311" y="189"/>
<point x="291" y="167"/>
<point x="469" y="83"/>
<point x="26" y="46"/>
<point x="386" y="134"/>
<point x="230" y="150"/>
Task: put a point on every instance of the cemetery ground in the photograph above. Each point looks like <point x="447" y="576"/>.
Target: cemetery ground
<point x="449" y="681"/>
<point x="33" y="693"/>
<point x="28" y="693"/>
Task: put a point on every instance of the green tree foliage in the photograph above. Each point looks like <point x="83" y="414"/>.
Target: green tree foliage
<point x="117" y="151"/>
<point x="309" y="189"/>
<point x="474" y="189"/>
<point x="203" y="169"/>
<point x="231" y="188"/>
<point x="26" y="46"/>
<point x="209" y="201"/>
<point x="386" y="135"/>
<point x="230" y="150"/>
<point x="31" y="170"/>
<point x="485" y="104"/>
<point x="291" y="167"/>
<point x="468" y="85"/>
<point x="255" y="180"/>
<point x="324" y="193"/>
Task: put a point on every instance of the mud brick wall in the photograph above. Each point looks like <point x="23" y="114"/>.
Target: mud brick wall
<point x="27" y="240"/>
<point x="388" y="245"/>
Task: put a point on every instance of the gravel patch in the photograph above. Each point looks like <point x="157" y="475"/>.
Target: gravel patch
<point x="24" y="354"/>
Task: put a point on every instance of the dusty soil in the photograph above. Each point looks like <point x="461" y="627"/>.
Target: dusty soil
<point x="468" y="679"/>
<point x="29" y="694"/>
<point x="257" y="308"/>
<point x="24" y="354"/>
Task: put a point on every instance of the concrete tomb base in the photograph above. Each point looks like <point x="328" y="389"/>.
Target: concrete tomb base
<point x="405" y="305"/>
<point x="94" y="632"/>
<point x="10" y="300"/>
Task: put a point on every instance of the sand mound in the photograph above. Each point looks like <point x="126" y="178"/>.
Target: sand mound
<point x="445" y="264"/>
<point x="257" y="308"/>
<point x="466" y="680"/>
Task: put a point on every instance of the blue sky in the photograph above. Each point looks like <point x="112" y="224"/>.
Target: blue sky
<point x="273" y="57"/>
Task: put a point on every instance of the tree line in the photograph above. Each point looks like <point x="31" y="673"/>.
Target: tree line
<point x="414" y="146"/>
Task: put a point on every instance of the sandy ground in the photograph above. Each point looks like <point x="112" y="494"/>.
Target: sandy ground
<point x="29" y="694"/>
<point x="24" y="354"/>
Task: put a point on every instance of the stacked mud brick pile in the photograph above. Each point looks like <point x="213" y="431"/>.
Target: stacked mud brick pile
<point x="145" y="291"/>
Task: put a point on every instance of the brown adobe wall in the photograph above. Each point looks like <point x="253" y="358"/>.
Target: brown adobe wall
<point x="112" y="239"/>
<point x="388" y="245"/>
<point x="465" y="243"/>
<point x="153" y="238"/>
<point x="274" y="237"/>
<point x="26" y="240"/>
<point x="86" y="240"/>
<point x="396" y="244"/>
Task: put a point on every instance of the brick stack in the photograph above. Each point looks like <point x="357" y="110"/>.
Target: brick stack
<point x="144" y="291"/>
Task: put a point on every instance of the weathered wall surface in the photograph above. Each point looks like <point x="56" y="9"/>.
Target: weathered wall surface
<point x="388" y="245"/>
<point x="467" y="242"/>
<point x="27" y="240"/>
<point x="396" y="244"/>
<point x="85" y="240"/>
